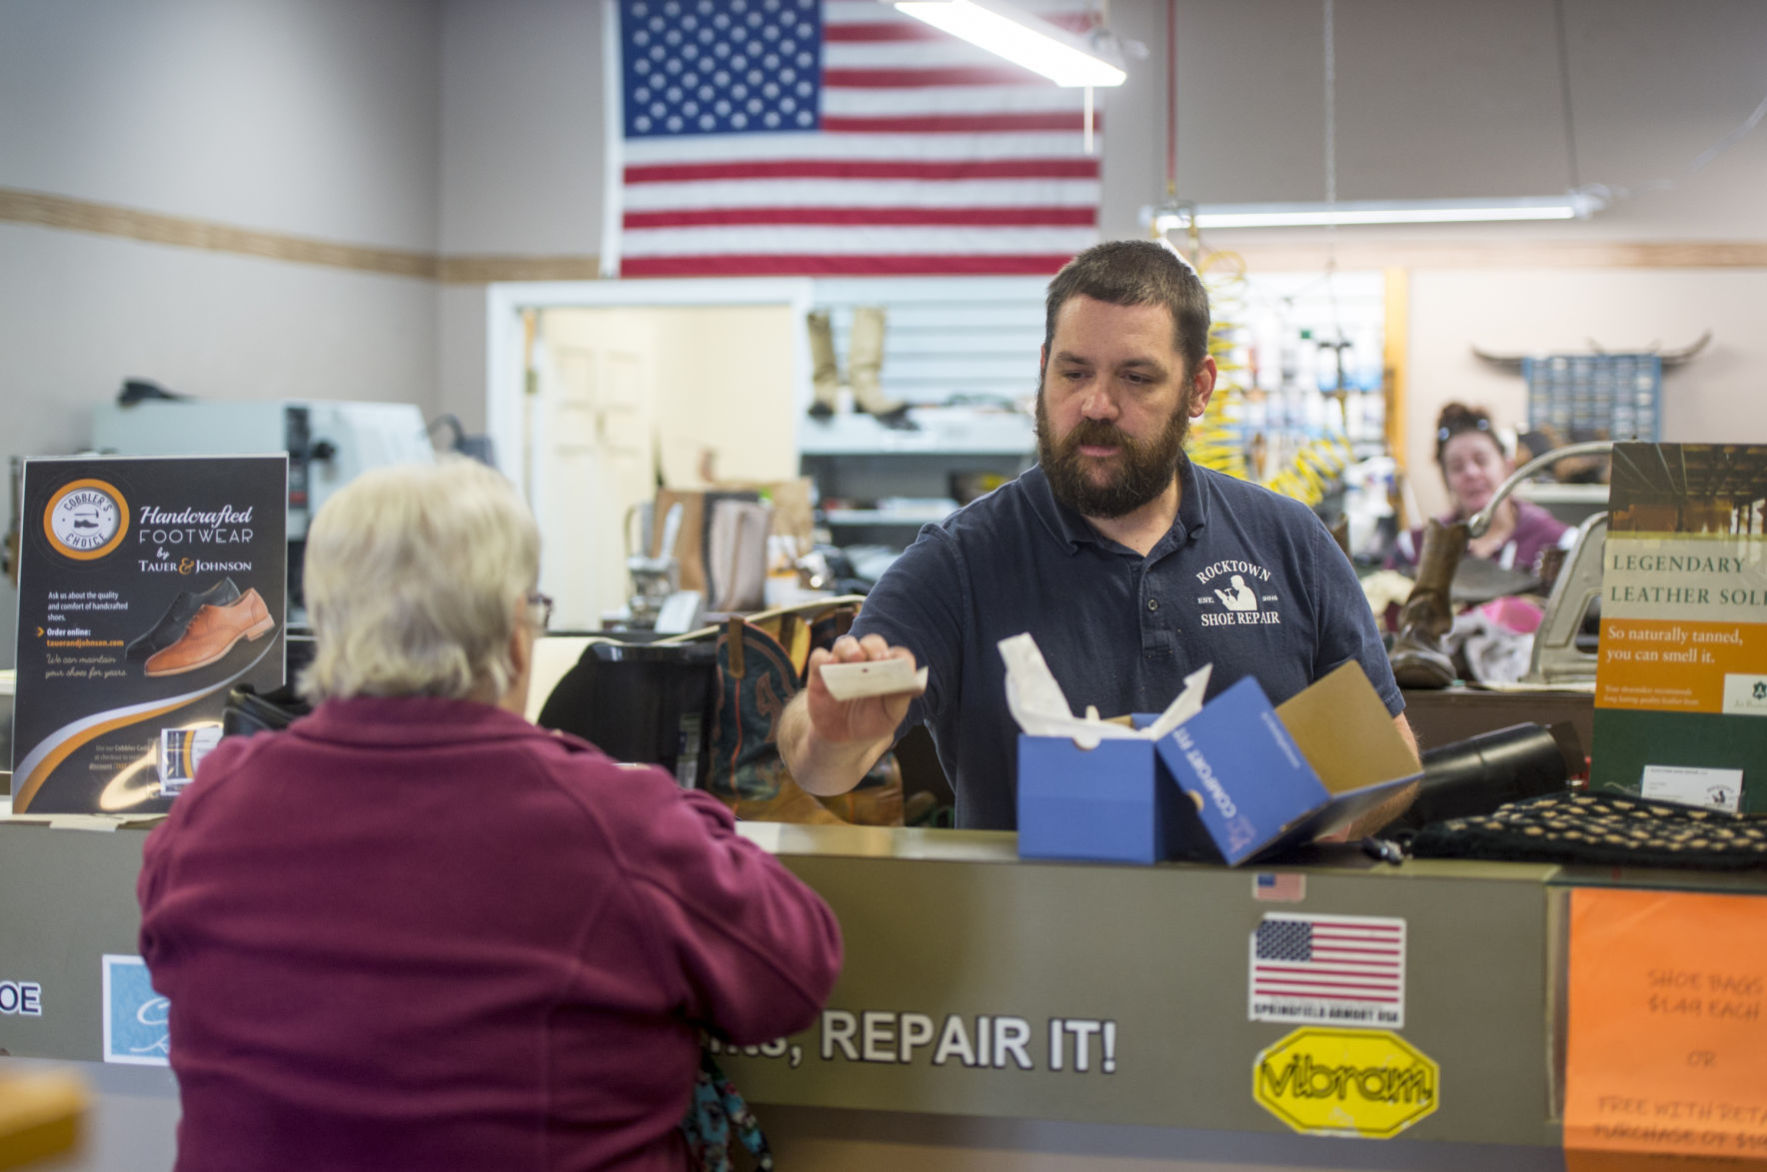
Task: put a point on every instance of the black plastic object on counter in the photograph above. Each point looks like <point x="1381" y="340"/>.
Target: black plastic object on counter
<point x="248" y="711"/>
<point x="1477" y="775"/>
<point x="641" y="702"/>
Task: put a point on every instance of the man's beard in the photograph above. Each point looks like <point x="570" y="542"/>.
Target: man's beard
<point x="1143" y="469"/>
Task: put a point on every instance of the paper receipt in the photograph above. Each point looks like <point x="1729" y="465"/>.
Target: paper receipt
<point x="876" y="677"/>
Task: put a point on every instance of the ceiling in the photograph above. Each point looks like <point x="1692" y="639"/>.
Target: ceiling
<point x="1442" y="98"/>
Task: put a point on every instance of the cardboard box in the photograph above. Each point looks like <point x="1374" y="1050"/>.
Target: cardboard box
<point x="1240" y="780"/>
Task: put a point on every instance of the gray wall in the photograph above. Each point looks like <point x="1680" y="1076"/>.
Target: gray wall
<point x="1453" y="98"/>
<point x="314" y="118"/>
<point x="1434" y="98"/>
<point x="521" y="127"/>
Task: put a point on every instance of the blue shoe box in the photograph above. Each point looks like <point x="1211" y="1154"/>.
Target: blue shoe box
<point x="1115" y="803"/>
<point x="1240" y="780"/>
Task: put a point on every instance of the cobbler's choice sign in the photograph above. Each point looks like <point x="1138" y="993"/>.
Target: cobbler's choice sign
<point x="147" y="588"/>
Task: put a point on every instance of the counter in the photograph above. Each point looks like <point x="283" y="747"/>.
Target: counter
<point x="1150" y="967"/>
<point x="981" y="987"/>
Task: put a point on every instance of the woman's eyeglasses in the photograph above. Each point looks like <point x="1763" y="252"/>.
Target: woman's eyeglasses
<point x="540" y="609"/>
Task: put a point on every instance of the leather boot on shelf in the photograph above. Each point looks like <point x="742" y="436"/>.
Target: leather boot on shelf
<point x="865" y="367"/>
<point x="1417" y="655"/>
<point x="824" y="372"/>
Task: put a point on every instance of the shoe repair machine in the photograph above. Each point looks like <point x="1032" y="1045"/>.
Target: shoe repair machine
<point x="329" y="443"/>
<point x="1556" y="658"/>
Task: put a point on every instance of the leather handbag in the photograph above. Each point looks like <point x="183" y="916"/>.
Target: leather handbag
<point x="761" y="666"/>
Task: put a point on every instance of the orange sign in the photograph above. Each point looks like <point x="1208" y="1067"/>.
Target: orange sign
<point x="1679" y="666"/>
<point x="1668" y="1026"/>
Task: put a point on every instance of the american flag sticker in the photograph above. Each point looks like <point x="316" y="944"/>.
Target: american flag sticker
<point x="1279" y="886"/>
<point x="1328" y="970"/>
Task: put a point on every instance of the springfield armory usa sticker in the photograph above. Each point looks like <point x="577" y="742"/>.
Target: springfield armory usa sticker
<point x="1328" y="970"/>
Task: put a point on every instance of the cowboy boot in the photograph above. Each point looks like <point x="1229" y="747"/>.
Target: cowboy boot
<point x="1417" y="656"/>
<point x="865" y="365"/>
<point x="824" y="373"/>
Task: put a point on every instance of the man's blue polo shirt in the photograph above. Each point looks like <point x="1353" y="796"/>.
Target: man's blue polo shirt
<point x="1245" y="579"/>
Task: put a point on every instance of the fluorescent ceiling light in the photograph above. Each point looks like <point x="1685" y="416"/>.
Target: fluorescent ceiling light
<point x="1021" y="38"/>
<point x="1572" y="206"/>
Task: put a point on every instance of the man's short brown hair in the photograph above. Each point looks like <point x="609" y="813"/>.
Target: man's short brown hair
<point x="1136" y="272"/>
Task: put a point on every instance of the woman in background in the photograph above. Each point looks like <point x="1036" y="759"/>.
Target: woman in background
<point x="1474" y="464"/>
<point x="415" y="931"/>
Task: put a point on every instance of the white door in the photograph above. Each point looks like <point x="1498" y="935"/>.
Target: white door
<point x="702" y="389"/>
<point x="593" y="454"/>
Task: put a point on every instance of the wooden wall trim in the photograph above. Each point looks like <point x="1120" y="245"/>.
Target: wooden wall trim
<point x="67" y="214"/>
<point x="480" y="270"/>
<point x="78" y="215"/>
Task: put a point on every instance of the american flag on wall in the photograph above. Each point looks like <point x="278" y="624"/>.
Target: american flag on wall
<point x="1331" y="970"/>
<point x="813" y="137"/>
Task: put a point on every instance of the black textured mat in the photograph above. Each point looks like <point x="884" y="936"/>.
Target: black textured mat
<point x="1610" y="829"/>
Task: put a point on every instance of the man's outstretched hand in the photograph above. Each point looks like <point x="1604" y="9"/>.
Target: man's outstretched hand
<point x="867" y="718"/>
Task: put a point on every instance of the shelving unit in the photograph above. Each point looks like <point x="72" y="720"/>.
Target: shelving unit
<point x="964" y="350"/>
<point x="941" y="430"/>
<point x="879" y="485"/>
<point x="923" y="513"/>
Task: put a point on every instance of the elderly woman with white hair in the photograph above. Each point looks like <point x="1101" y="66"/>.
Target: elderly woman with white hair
<point x="415" y="931"/>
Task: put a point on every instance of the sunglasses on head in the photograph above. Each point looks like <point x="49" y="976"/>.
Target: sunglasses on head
<point x="1444" y="434"/>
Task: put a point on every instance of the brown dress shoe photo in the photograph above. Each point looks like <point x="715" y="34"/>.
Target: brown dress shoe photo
<point x="212" y="634"/>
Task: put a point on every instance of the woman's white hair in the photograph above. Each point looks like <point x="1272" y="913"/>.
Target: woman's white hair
<point x="412" y="578"/>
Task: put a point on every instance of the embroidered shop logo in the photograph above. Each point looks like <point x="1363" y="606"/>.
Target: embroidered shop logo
<point x="1236" y="593"/>
<point x="86" y="519"/>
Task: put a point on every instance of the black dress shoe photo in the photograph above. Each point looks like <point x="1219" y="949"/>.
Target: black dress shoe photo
<point x="176" y="620"/>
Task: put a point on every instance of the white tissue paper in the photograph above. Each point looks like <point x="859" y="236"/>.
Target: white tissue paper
<point x="1037" y="702"/>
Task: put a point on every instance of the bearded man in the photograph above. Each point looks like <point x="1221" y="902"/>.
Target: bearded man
<point x="1129" y="565"/>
